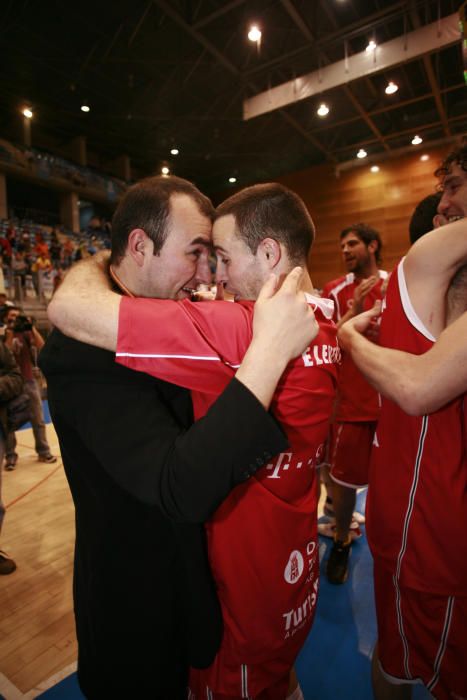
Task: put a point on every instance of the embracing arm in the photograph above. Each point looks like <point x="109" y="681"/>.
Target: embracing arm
<point x="419" y="384"/>
<point x="85" y="308"/>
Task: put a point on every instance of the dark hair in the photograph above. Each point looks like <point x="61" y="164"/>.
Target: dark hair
<point x="146" y="205"/>
<point x="271" y="210"/>
<point x="367" y="235"/>
<point x="459" y="156"/>
<point x="422" y="217"/>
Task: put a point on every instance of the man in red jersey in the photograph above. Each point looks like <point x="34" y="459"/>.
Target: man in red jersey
<point x="419" y="464"/>
<point x="262" y="541"/>
<point x="357" y="406"/>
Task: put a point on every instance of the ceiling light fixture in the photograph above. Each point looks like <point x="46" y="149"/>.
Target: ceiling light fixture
<point x="165" y="170"/>
<point x="232" y="179"/>
<point x="391" y="88"/>
<point x="416" y="140"/>
<point x="174" y="151"/>
<point x="362" y="153"/>
<point x="254" y="33"/>
<point x="374" y="168"/>
<point x="27" y="113"/>
<point x="371" y="46"/>
<point x="425" y="156"/>
<point x="85" y="107"/>
<point x="323" y="110"/>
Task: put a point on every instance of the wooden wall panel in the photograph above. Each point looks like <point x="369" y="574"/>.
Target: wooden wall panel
<point x="384" y="200"/>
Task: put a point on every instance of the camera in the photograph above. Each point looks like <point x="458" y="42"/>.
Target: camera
<point x="22" y="324"/>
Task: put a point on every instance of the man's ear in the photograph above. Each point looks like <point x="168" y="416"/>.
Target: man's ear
<point x="373" y="247"/>
<point x="270" y="251"/>
<point x="138" y="245"/>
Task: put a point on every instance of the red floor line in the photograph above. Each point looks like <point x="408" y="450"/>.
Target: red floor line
<point x="21" y="496"/>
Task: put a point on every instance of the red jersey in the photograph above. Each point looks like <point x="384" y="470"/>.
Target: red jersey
<point x="262" y="540"/>
<point x="357" y="400"/>
<point x="417" y="498"/>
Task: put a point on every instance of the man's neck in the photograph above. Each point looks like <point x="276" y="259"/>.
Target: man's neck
<point x="368" y="271"/>
<point x="123" y="279"/>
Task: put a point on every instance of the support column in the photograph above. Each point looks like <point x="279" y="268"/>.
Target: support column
<point x="3" y="198"/>
<point x="123" y="167"/>
<point x="79" y="150"/>
<point x="69" y="210"/>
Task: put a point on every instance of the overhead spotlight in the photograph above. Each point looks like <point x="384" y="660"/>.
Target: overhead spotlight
<point x="425" y="156"/>
<point x="371" y="46"/>
<point x="254" y="33"/>
<point x="174" y="151"/>
<point x="85" y="107"/>
<point x="362" y="153"/>
<point x="391" y="88"/>
<point x="374" y="168"/>
<point x="27" y="113"/>
<point x="165" y="170"/>
<point x="416" y="140"/>
<point x="232" y="179"/>
<point x="322" y="110"/>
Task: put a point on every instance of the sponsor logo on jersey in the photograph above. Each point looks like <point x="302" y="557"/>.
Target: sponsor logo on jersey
<point x="285" y="460"/>
<point x="294" y="568"/>
<point x="316" y="355"/>
<point x="296" y="618"/>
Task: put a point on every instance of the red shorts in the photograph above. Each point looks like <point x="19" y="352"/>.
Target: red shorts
<point x="350" y="450"/>
<point x="421" y="637"/>
<point x="200" y="691"/>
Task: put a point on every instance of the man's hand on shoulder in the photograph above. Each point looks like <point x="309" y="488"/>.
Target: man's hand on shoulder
<point x="283" y="320"/>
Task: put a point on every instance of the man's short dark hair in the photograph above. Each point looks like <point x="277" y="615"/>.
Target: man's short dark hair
<point x="271" y="210"/>
<point x="458" y="156"/>
<point x="365" y="234"/>
<point x="422" y="217"/>
<point x="146" y="205"/>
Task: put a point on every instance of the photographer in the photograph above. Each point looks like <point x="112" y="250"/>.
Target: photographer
<point x="25" y="341"/>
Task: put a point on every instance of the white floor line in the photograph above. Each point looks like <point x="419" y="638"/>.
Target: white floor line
<point x="50" y="682"/>
<point x="11" y="692"/>
<point x="8" y="690"/>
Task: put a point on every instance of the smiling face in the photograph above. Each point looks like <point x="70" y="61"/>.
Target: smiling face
<point x="453" y="203"/>
<point x="183" y="261"/>
<point x="359" y="257"/>
<point x="239" y="271"/>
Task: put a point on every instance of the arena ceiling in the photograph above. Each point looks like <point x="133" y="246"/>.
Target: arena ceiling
<point x="159" y="74"/>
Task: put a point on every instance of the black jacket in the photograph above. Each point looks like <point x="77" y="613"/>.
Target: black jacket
<point x="142" y="482"/>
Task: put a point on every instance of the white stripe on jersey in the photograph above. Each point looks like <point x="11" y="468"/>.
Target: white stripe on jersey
<point x="443" y="643"/>
<point x="407" y="304"/>
<point x="210" y="358"/>
<point x="408" y="516"/>
<point x="244" y="672"/>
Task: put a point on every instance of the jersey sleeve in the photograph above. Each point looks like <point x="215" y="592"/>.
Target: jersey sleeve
<point x="195" y="345"/>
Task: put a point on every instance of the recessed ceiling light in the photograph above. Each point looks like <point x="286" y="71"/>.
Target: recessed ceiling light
<point x="416" y="140"/>
<point x="85" y="107"/>
<point x="174" y="151"/>
<point x="391" y="88"/>
<point x="165" y="170"/>
<point x="362" y="153"/>
<point x="371" y="46"/>
<point x="374" y="168"/>
<point x="27" y="113"/>
<point x="323" y="110"/>
<point x="254" y="33"/>
<point x="425" y="156"/>
<point x="232" y="179"/>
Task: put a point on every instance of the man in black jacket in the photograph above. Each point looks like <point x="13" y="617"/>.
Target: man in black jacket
<point x="11" y="384"/>
<point x="142" y="479"/>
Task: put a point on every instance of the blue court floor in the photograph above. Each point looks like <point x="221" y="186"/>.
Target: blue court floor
<point x="335" y="661"/>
